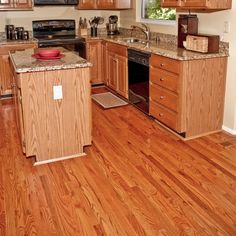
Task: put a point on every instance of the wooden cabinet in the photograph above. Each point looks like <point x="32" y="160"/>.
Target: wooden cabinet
<point x="5" y="75"/>
<point x="86" y="4"/>
<point x="16" y="5"/>
<point x="53" y="129"/>
<point x="104" y="62"/>
<point x="104" y="4"/>
<point x="5" y="70"/>
<point x="211" y="5"/>
<point x="93" y="54"/>
<point x="188" y="96"/>
<point x="17" y="98"/>
<point x="117" y="71"/>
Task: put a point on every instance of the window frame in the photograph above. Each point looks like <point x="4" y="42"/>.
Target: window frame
<point x="140" y="12"/>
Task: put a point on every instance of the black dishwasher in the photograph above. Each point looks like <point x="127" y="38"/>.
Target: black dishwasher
<point x="138" y="79"/>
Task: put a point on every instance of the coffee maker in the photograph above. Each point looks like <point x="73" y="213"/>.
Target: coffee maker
<point x="112" y="28"/>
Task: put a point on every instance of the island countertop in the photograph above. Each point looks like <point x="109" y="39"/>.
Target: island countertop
<point x="24" y="62"/>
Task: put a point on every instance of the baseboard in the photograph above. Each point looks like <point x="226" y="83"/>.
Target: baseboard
<point x="228" y="130"/>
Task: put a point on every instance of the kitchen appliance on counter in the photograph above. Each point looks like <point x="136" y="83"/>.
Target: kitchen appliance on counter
<point x="55" y="2"/>
<point x="187" y="24"/>
<point x="112" y="27"/>
<point x="59" y="33"/>
<point x="138" y="79"/>
<point x="16" y="33"/>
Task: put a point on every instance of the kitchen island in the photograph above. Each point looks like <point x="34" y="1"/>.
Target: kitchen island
<point x="53" y="105"/>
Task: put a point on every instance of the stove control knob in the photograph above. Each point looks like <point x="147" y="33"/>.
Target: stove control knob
<point x="144" y="61"/>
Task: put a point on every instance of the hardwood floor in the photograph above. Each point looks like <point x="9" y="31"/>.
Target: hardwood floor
<point x="137" y="179"/>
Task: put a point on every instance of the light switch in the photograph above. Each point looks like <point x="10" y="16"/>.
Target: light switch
<point x="226" y="27"/>
<point x="57" y="92"/>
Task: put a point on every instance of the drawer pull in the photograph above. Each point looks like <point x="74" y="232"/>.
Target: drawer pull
<point x="162" y="97"/>
<point x="162" y="64"/>
<point x="162" y="79"/>
<point x="161" y="114"/>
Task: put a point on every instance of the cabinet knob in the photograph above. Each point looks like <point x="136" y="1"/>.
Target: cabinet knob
<point x="161" y="114"/>
<point x="162" y="97"/>
<point x="162" y="64"/>
<point x="162" y="79"/>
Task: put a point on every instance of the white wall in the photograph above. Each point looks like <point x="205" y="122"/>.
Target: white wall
<point x="212" y="23"/>
<point x="25" y="18"/>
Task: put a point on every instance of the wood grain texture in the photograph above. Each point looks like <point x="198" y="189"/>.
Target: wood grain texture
<point x="93" y="54"/>
<point x="198" y="4"/>
<point x="196" y="93"/>
<point x="5" y="67"/>
<point x="137" y="179"/>
<point x="56" y="128"/>
<point x="205" y="92"/>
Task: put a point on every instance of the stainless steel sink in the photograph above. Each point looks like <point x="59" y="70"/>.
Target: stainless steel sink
<point x="134" y="40"/>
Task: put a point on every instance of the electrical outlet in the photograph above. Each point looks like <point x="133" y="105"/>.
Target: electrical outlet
<point x="226" y="27"/>
<point x="57" y="92"/>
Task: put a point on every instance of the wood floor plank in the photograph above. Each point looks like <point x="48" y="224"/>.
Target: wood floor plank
<point x="137" y="179"/>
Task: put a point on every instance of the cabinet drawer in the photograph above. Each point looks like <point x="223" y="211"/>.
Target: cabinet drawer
<point x="117" y="49"/>
<point x="164" y="97"/>
<point x="165" y="79"/>
<point x="164" y="115"/>
<point x="165" y="63"/>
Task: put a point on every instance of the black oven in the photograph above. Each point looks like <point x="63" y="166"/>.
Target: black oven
<point x="59" y="33"/>
<point x="78" y="46"/>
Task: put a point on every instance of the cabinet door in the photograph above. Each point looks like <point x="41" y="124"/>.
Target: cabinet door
<point x="104" y="63"/>
<point x="87" y="4"/>
<point x="122" y="76"/>
<point x="94" y="54"/>
<point x="24" y="4"/>
<point x="5" y="75"/>
<point x="19" y="114"/>
<point x="112" y="70"/>
<point x="6" y="4"/>
<point x="103" y="4"/>
<point x="194" y="3"/>
<point x="170" y="3"/>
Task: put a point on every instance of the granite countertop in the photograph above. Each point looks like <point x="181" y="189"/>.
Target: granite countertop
<point x="4" y="41"/>
<point x="162" y="48"/>
<point x="24" y="62"/>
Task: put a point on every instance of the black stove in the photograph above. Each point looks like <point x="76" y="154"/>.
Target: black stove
<point x="53" y="33"/>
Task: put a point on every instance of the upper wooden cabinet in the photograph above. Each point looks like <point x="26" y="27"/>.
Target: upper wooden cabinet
<point x="211" y="5"/>
<point x="86" y="4"/>
<point x="104" y="4"/>
<point x="16" y="5"/>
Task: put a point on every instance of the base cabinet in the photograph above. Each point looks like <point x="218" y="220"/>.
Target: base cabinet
<point x="188" y="96"/>
<point x="5" y="76"/>
<point x="5" y="69"/>
<point x="104" y="62"/>
<point x="117" y="68"/>
<point x="93" y="54"/>
<point x="53" y="129"/>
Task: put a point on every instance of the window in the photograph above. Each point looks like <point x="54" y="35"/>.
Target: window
<point x="153" y="12"/>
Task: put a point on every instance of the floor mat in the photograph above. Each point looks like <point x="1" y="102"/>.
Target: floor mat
<point x="108" y="100"/>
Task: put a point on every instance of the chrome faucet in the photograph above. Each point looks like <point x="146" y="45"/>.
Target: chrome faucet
<point x="145" y="30"/>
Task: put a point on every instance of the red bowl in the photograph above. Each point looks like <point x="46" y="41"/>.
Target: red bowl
<point x="48" y="53"/>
